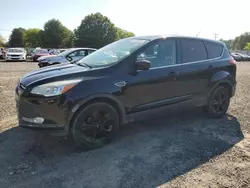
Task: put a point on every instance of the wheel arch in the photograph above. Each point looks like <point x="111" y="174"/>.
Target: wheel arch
<point x="222" y="78"/>
<point x="106" y="98"/>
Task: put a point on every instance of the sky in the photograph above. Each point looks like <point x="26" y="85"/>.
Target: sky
<point x="227" y="18"/>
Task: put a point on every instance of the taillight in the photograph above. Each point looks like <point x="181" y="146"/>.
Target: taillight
<point x="232" y="62"/>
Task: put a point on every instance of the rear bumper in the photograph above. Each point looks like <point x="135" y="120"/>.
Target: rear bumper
<point x="233" y="90"/>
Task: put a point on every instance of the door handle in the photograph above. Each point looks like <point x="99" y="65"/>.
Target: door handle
<point x="173" y="74"/>
<point x="120" y="83"/>
<point x="210" y="66"/>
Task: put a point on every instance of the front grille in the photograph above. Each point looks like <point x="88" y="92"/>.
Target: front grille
<point x="15" y="55"/>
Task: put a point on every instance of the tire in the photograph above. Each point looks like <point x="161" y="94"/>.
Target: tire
<point x="95" y="125"/>
<point x="218" y="102"/>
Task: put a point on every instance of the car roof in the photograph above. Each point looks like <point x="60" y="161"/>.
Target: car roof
<point x="16" y="48"/>
<point x="155" y="37"/>
<point x="83" y="48"/>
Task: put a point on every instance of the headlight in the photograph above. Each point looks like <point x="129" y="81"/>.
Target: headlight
<point x="54" y="88"/>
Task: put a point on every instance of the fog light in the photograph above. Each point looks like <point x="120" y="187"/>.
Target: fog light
<point x="39" y="120"/>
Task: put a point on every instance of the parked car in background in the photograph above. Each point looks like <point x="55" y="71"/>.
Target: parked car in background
<point x="244" y="57"/>
<point x="15" y="54"/>
<point x="240" y="56"/>
<point x="125" y="80"/>
<point x="236" y="56"/>
<point x="39" y="53"/>
<point x="67" y="56"/>
<point x="1" y="54"/>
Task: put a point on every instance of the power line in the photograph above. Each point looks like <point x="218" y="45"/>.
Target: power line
<point x="215" y="36"/>
<point x="5" y="29"/>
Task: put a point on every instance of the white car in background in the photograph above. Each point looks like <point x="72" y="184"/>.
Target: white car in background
<point x="70" y="55"/>
<point x="15" y="54"/>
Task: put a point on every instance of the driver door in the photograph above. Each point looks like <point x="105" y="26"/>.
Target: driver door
<point x="159" y="85"/>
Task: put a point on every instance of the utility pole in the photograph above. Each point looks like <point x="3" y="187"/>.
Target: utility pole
<point x="215" y="36"/>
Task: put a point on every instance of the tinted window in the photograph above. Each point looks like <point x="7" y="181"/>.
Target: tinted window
<point x="193" y="50"/>
<point x="82" y="53"/>
<point x="159" y="54"/>
<point x="214" y="50"/>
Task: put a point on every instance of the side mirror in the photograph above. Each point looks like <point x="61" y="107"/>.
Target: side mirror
<point x="142" y="65"/>
<point x="69" y="58"/>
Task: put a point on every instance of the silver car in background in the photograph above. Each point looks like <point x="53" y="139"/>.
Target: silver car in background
<point x="70" y="55"/>
<point x="15" y="54"/>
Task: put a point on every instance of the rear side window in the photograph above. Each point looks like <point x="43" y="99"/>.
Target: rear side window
<point x="214" y="50"/>
<point x="193" y="50"/>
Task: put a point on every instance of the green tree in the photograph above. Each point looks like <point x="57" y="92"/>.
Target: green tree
<point x="16" y="37"/>
<point x="32" y="38"/>
<point x="95" y="31"/>
<point x="2" y="41"/>
<point x="227" y="42"/>
<point x="247" y="46"/>
<point x="55" y="34"/>
<point x="121" y="33"/>
<point x="68" y="41"/>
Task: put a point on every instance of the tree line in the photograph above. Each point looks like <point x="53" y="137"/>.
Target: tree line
<point x="95" y="31"/>
<point x="241" y="42"/>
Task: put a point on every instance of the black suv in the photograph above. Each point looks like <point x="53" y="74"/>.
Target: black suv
<point x="90" y="99"/>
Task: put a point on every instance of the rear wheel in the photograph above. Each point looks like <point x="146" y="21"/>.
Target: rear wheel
<point x="95" y="125"/>
<point x="218" y="102"/>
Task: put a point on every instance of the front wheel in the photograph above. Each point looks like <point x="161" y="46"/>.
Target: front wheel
<point x="218" y="102"/>
<point x="95" y="125"/>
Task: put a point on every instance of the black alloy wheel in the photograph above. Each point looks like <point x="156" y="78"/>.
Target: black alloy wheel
<point x="218" y="102"/>
<point x="96" y="125"/>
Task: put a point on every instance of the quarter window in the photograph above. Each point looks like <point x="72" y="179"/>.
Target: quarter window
<point x="214" y="50"/>
<point x="160" y="54"/>
<point x="193" y="50"/>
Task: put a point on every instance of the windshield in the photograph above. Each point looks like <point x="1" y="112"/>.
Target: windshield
<point x="66" y="52"/>
<point x="113" y="52"/>
<point x="16" y="50"/>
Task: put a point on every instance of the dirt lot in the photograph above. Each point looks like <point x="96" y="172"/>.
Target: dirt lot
<point x="182" y="151"/>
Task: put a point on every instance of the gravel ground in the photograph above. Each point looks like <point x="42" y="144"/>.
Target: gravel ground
<point x="180" y="151"/>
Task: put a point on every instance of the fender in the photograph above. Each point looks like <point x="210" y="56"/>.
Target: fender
<point x="221" y="77"/>
<point x="84" y="101"/>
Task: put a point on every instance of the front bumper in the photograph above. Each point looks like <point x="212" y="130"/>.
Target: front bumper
<point x="52" y="111"/>
<point x="43" y="64"/>
<point x="17" y="58"/>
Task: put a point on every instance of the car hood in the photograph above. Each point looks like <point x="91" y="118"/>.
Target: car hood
<point x="49" y="57"/>
<point x="57" y="71"/>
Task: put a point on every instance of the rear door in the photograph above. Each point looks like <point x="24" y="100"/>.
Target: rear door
<point x="198" y="65"/>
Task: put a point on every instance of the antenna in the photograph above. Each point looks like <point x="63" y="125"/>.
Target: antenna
<point x="198" y="33"/>
<point x="215" y="36"/>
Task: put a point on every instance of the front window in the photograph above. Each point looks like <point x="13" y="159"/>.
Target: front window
<point x="16" y="50"/>
<point x="160" y="54"/>
<point x="113" y="52"/>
